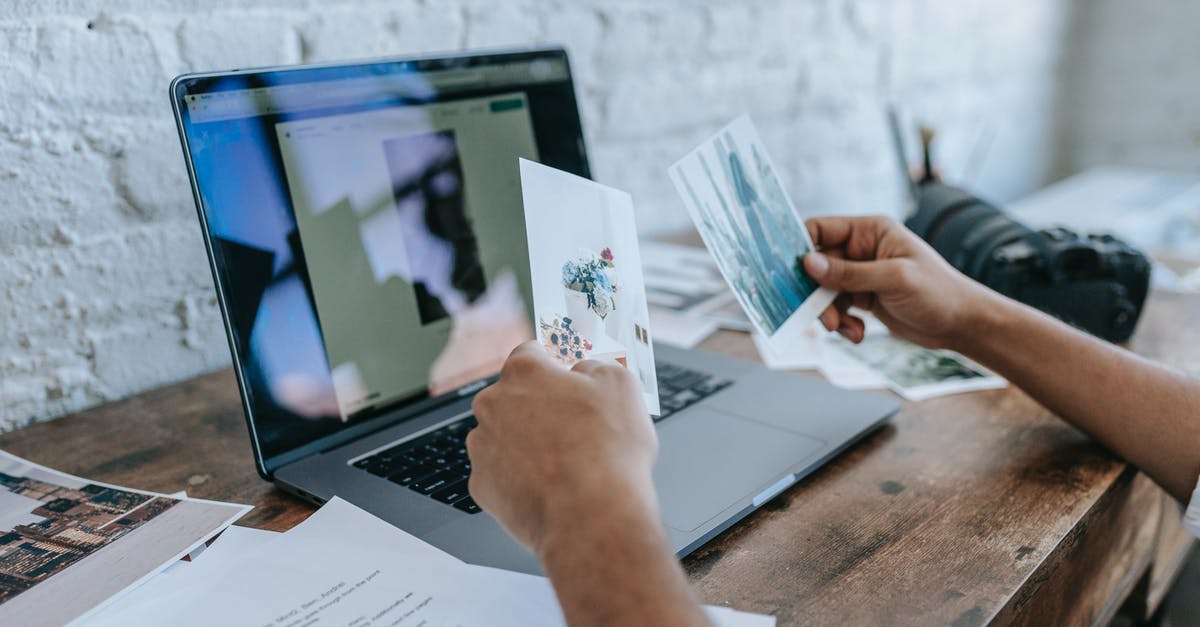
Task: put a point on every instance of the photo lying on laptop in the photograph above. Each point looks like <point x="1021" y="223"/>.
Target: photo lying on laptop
<point x="589" y="297"/>
<point x="752" y="229"/>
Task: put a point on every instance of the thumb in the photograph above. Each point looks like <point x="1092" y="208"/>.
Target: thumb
<point x="842" y="275"/>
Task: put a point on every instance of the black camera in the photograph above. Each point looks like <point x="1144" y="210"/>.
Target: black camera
<point x="1095" y="282"/>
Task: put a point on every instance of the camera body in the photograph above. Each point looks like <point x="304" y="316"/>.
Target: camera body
<point x="1097" y="283"/>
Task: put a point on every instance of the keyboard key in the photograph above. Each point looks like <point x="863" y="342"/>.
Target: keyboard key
<point x="468" y="505"/>
<point x="413" y="459"/>
<point x="408" y="475"/>
<point x="686" y="397"/>
<point x="381" y="470"/>
<point x="437" y="481"/>
<point x="452" y="492"/>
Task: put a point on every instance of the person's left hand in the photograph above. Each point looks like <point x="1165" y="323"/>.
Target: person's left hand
<point x="556" y="450"/>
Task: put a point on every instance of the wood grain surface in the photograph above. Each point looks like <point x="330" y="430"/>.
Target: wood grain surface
<point x="965" y="510"/>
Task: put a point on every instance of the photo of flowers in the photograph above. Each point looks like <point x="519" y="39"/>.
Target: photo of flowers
<point x="589" y="297"/>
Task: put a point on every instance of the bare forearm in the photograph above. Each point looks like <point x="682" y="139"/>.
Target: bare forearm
<point x="618" y="569"/>
<point x="1144" y="412"/>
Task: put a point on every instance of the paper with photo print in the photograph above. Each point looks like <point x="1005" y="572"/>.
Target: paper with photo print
<point x="589" y="296"/>
<point x="752" y="229"/>
<point x="69" y="546"/>
<point x="918" y="373"/>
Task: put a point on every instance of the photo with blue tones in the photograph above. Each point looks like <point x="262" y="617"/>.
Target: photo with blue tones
<point x="749" y="224"/>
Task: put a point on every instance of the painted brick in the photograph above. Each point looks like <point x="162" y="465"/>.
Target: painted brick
<point x="104" y="285"/>
<point x="244" y="39"/>
<point x="375" y="31"/>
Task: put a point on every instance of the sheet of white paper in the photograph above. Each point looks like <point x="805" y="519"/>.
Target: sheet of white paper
<point x="727" y="313"/>
<point x="681" y="278"/>
<point x="751" y="227"/>
<point x="538" y="592"/>
<point x="680" y="330"/>
<point x="340" y="565"/>
<point x="234" y="542"/>
<point x="143" y="602"/>
<point x="589" y="297"/>
<point x="804" y="353"/>
<point x="345" y="566"/>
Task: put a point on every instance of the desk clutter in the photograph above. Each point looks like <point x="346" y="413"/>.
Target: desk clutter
<point x="689" y="302"/>
<point x="76" y="551"/>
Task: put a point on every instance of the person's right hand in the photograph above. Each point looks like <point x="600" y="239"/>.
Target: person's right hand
<point x="880" y="266"/>
<point x="557" y="451"/>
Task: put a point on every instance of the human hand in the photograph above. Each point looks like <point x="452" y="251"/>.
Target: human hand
<point x="556" y="449"/>
<point x="880" y="266"/>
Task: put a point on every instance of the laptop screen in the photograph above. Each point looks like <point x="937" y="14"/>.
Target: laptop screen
<point x="367" y="230"/>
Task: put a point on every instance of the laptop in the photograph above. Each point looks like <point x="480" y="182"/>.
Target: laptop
<point x="365" y="229"/>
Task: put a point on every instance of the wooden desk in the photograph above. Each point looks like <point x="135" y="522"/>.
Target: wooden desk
<point x="965" y="510"/>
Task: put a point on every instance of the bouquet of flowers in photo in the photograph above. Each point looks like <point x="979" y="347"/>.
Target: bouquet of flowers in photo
<point x="564" y="342"/>
<point x="595" y="276"/>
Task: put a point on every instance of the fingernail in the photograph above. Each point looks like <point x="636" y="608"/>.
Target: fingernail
<point x="817" y="264"/>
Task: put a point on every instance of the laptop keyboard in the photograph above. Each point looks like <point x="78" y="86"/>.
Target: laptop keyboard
<point x="679" y="388"/>
<point x="436" y="464"/>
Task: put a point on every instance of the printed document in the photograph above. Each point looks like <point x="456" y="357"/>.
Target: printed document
<point x="344" y="566"/>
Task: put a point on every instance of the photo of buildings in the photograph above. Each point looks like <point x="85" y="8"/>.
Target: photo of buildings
<point x="66" y="525"/>
<point x="748" y="223"/>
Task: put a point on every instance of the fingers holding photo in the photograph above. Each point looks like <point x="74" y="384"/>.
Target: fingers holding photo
<point x="839" y="318"/>
<point x="857" y="237"/>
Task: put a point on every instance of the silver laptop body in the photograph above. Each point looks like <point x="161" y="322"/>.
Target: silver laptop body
<point x="305" y="276"/>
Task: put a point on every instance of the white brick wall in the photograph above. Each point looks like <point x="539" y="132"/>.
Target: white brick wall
<point x="104" y="287"/>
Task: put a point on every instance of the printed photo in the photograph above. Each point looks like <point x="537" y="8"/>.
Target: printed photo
<point x="753" y="231"/>
<point x="67" y="545"/>
<point x="589" y="296"/>
<point x="918" y="373"/>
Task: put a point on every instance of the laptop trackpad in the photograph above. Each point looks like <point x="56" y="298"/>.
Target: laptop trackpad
<point x="710" y="459"/>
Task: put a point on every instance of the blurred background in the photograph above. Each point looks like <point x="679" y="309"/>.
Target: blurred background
<point x="104" y="285"/>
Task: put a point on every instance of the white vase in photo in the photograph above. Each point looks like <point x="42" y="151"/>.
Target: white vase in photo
<point x="607" y="325"/>
<point x="583" y="319"/>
